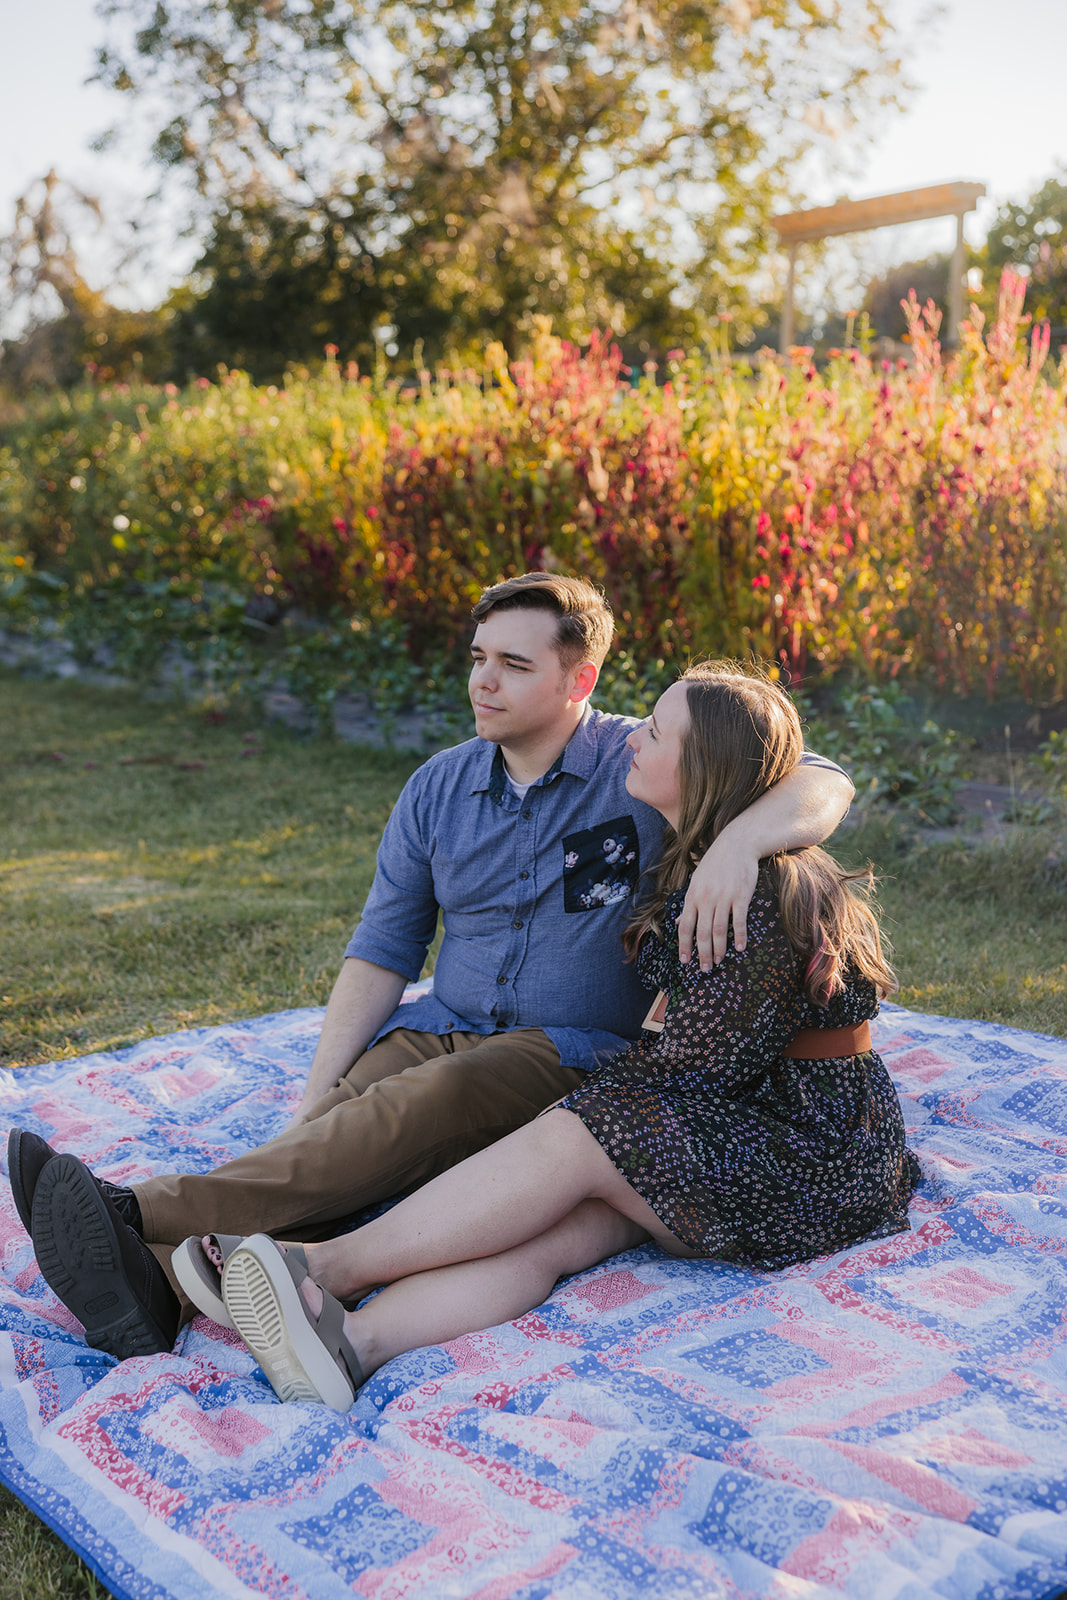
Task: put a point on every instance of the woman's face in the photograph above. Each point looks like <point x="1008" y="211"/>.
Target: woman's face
<point x="657" y="748"/>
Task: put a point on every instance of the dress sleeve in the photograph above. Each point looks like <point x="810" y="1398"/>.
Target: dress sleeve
<point x="732" y="1022"/>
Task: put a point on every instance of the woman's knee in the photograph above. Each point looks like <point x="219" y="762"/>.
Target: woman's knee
<point x="585" y="1236"/>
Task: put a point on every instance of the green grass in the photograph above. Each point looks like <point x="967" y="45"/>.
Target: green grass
<point x="176" y="882"/>
<point x="975" y="931"/>
<point x="159" y="877"/>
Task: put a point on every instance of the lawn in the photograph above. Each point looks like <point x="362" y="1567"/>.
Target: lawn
<point x="162" y="871"/>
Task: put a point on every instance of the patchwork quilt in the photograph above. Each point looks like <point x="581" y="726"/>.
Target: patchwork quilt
<point x="889" y="1422"/>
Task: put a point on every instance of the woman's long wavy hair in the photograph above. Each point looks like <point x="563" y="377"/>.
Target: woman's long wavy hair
<point x="743" y="737"/>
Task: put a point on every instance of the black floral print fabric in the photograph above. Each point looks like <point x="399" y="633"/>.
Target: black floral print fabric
<point x="743" y="1153"/>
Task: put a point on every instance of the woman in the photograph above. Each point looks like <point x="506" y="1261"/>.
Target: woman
<point x="756" y="1126"/>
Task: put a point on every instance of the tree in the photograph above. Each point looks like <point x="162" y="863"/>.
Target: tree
<point x="1032" y="235"/>
<point x="885" y="294"/>
<point x="444" y="171"/>
<point x="67" y="325"/>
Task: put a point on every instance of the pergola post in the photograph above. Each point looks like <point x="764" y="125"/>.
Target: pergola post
<point x="880" y="211"/>
<point x="785" y="337"/>
<point x="955" y="285"/>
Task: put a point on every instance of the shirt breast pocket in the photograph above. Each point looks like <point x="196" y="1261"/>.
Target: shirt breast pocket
<point x="601" y="865"/>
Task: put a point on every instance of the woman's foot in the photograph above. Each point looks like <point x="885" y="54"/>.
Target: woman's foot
<point x="294" y="1328"/>
<point x="197" y="1265"/>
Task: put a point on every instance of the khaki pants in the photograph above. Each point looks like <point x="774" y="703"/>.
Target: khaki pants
<point x="410" y="1107"/>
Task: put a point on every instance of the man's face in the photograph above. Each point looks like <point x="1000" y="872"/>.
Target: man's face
<point x="518" y="688"/>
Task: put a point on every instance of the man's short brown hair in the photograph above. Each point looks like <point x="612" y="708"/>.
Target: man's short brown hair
<point x="586" y="625"/>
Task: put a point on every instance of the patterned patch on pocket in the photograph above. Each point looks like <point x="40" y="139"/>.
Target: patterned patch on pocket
<point x="601" y="865"/>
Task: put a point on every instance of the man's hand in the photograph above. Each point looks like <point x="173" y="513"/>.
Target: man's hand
<point x="803" y="809"/>
<point x="719" y="891"/>
<point x="363" y="998"/>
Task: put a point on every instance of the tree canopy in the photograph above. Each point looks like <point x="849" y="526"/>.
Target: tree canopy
<point x="1032" y="234"/>
<point x="429" y="172"/>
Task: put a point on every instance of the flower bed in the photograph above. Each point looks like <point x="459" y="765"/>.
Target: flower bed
<point x="865" y="515"/>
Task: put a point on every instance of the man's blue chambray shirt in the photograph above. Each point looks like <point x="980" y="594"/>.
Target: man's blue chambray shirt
<point x="535" y="894"/>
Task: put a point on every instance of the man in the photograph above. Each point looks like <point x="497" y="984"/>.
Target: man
<point x="526" y="839"/>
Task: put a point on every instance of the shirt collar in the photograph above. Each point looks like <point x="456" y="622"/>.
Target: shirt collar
<point x="578" y="758"/>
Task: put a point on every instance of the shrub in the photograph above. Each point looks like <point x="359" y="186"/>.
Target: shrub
<point x="876" y="517"/>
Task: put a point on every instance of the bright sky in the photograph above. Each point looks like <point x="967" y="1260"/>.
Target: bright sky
<point x="988" y="107"/>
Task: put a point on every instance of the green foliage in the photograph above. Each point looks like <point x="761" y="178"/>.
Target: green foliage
<point x="631" y="690"/>
<point x="446" y="173"/>
<point x="69" y="327"/>
<point x="272" y="289"/>
<point x="1052" y="759"/>
<point x="1032" y="234"/>
<point x="890" y="761"/>
<point x="860" y="517"/>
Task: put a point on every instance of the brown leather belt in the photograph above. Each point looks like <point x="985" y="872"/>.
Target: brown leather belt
<point x="824" y="1044"/>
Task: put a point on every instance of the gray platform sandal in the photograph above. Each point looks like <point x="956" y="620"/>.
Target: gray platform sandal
<point x="297" y="1350"/>
<point x="199" y="1277"/>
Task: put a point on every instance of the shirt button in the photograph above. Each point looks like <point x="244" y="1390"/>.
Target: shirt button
<point x="527" y="815"/>
<point x="502" y="979"/>
<point x="516" y="924"/>
<point x="524" y="874"/>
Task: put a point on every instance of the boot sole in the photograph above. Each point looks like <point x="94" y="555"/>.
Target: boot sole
<point x="79" y="1255"/>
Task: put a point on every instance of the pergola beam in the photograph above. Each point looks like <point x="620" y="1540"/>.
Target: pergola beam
<point x="881" y="211"/>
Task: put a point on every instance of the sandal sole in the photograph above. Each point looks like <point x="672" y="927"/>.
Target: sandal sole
<point x="78" y="1254"/>
<point x="268" y="1312"/>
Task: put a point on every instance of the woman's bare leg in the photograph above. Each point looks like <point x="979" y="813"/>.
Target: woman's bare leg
<point x="504" y="1196"/>
<point x="445" y="1302"/>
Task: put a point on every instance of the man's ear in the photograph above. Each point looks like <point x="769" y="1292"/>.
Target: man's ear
<point x="585" y="677"/>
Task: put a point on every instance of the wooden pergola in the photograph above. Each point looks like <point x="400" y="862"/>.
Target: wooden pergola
<point x="795" y="228"/>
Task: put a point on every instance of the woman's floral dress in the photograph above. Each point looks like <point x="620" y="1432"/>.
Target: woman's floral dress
<point x="743" y="1153"/>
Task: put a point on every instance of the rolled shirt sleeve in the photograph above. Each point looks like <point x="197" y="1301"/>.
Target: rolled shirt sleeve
<point x="400" y="915"/>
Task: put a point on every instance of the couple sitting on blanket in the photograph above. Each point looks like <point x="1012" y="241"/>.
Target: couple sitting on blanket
<point x="537" y="1123"/>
